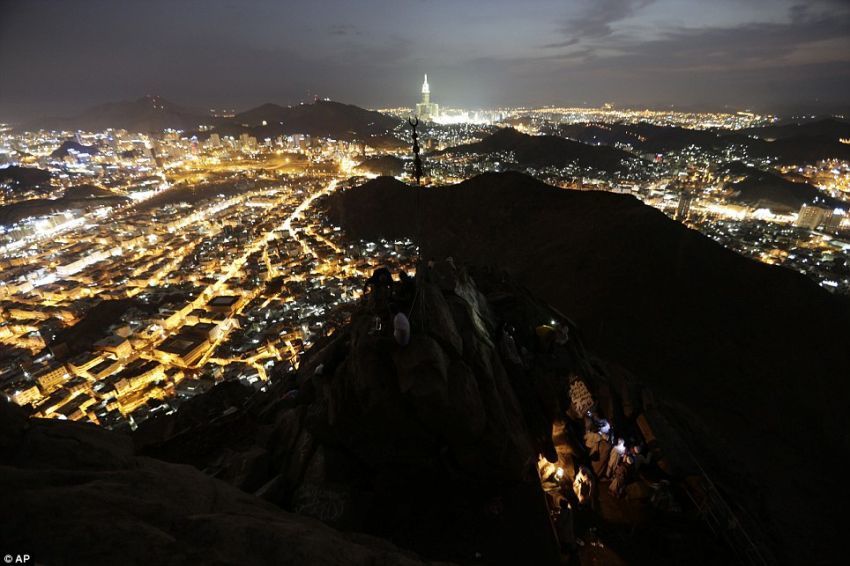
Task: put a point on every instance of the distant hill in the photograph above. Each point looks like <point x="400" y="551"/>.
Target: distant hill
<point x="646" y="138"/>
<point x="24" y="177"/>
<point x="828" y="128"/>
<point x="767" y="190"/>
<point x="71" y="145"/>
<point x="87" y="190"/>
<point x="545" y="151"/>
<point x="81" y="197"/>
<point x="799" y="144"/>
<point x="387" y="165"/>
<point x="146" y="114"/>
<point x="800" y="149"/>
<point x="322" y="118"/>
<point x="750" y="358"/>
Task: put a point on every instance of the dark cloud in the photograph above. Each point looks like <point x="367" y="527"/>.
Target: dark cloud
<point x="746" y="46"/>
<point x="594" y="18"/>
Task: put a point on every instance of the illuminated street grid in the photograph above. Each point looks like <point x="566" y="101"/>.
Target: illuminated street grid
<point x="207" y="261"/>
<point x="235" y="286"/>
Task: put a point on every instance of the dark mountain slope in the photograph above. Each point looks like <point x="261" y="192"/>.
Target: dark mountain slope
<point x="80" y="197"/>
<point x="829" y="127"/>
<point x="433" y="445"/>
<point x="800" y="149"/>
<point x="146" y="114"/>
<point x="544" y="151"/>
<point x="71" y="145"/>
<point x="763" y="189"/>
<point x="322" y="118"/>
<point x="643" y="137"/>
<point x="753" y="356"/>
<point x="24" y="177"/>
<point x="389" y="165"/>
<point x="805" y="146"/>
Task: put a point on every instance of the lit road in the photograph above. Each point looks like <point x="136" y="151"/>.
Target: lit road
<point x="287" y="224"/>
<point x="260" y="244"/>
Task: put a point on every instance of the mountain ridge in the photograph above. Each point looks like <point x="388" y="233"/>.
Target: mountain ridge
<point x="546" y="150"/>
<point x="147" y="114"/>
<point x="321" y="118"/>
<point x="707" y="328"/>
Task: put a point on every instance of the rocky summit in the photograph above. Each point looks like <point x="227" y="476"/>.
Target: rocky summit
<point x="749" y="359"/>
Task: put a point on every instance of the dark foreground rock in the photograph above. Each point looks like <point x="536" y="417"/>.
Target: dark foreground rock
<point x="76" y="494"/>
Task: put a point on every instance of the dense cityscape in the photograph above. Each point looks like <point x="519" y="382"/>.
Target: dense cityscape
<point x="165" y="244"/>
<point x="405" y="283"/>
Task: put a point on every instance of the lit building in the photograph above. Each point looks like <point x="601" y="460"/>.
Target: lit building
<point x="114" y="344"/>
<point x="810" y="217"/>
<point x="81" y="363"/>
<point x="50" y="378"/>
<point x="427" y="110"/>
<point x="183" y="349"/>
<point x="227" y="304"/>
<point x="28" y="393"/>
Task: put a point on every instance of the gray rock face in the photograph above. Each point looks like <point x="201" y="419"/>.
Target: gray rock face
<point x="421" y="368"/>
<point x="436" y="319"/>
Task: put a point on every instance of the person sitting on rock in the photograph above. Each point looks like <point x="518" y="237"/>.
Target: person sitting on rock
<point x="604" y="449"/>
<point x="406" y="288"/>
<point x="639" y="456"/>
<point x="592" y="440"/>
<point x="621" y="472"/>
<point x="380" y="283"/>
<point x="583" y="485"/>
<point x="562" y="335"/>
<point x="401" y="326"/>
<point x="615" y="456"/>
<point x="545" y="338"/>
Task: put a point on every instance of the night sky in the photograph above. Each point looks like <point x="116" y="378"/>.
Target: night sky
<point x="61" y="56"/>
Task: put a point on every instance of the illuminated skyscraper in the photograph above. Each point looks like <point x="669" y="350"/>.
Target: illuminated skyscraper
<point x="426" y="110"/>
<point x="426" y="92"/>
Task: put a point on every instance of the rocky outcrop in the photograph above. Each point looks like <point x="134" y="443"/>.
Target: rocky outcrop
<point x="76" y="494"/>
<point x="427" y="445"/>
<point x="434" y="445"/>
<point x="751" y="359"/>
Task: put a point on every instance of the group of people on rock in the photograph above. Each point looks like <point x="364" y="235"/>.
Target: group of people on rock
<point x="611" y="457"/>
<point x="383" y="292"/>
<point x="612" y="460"/>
